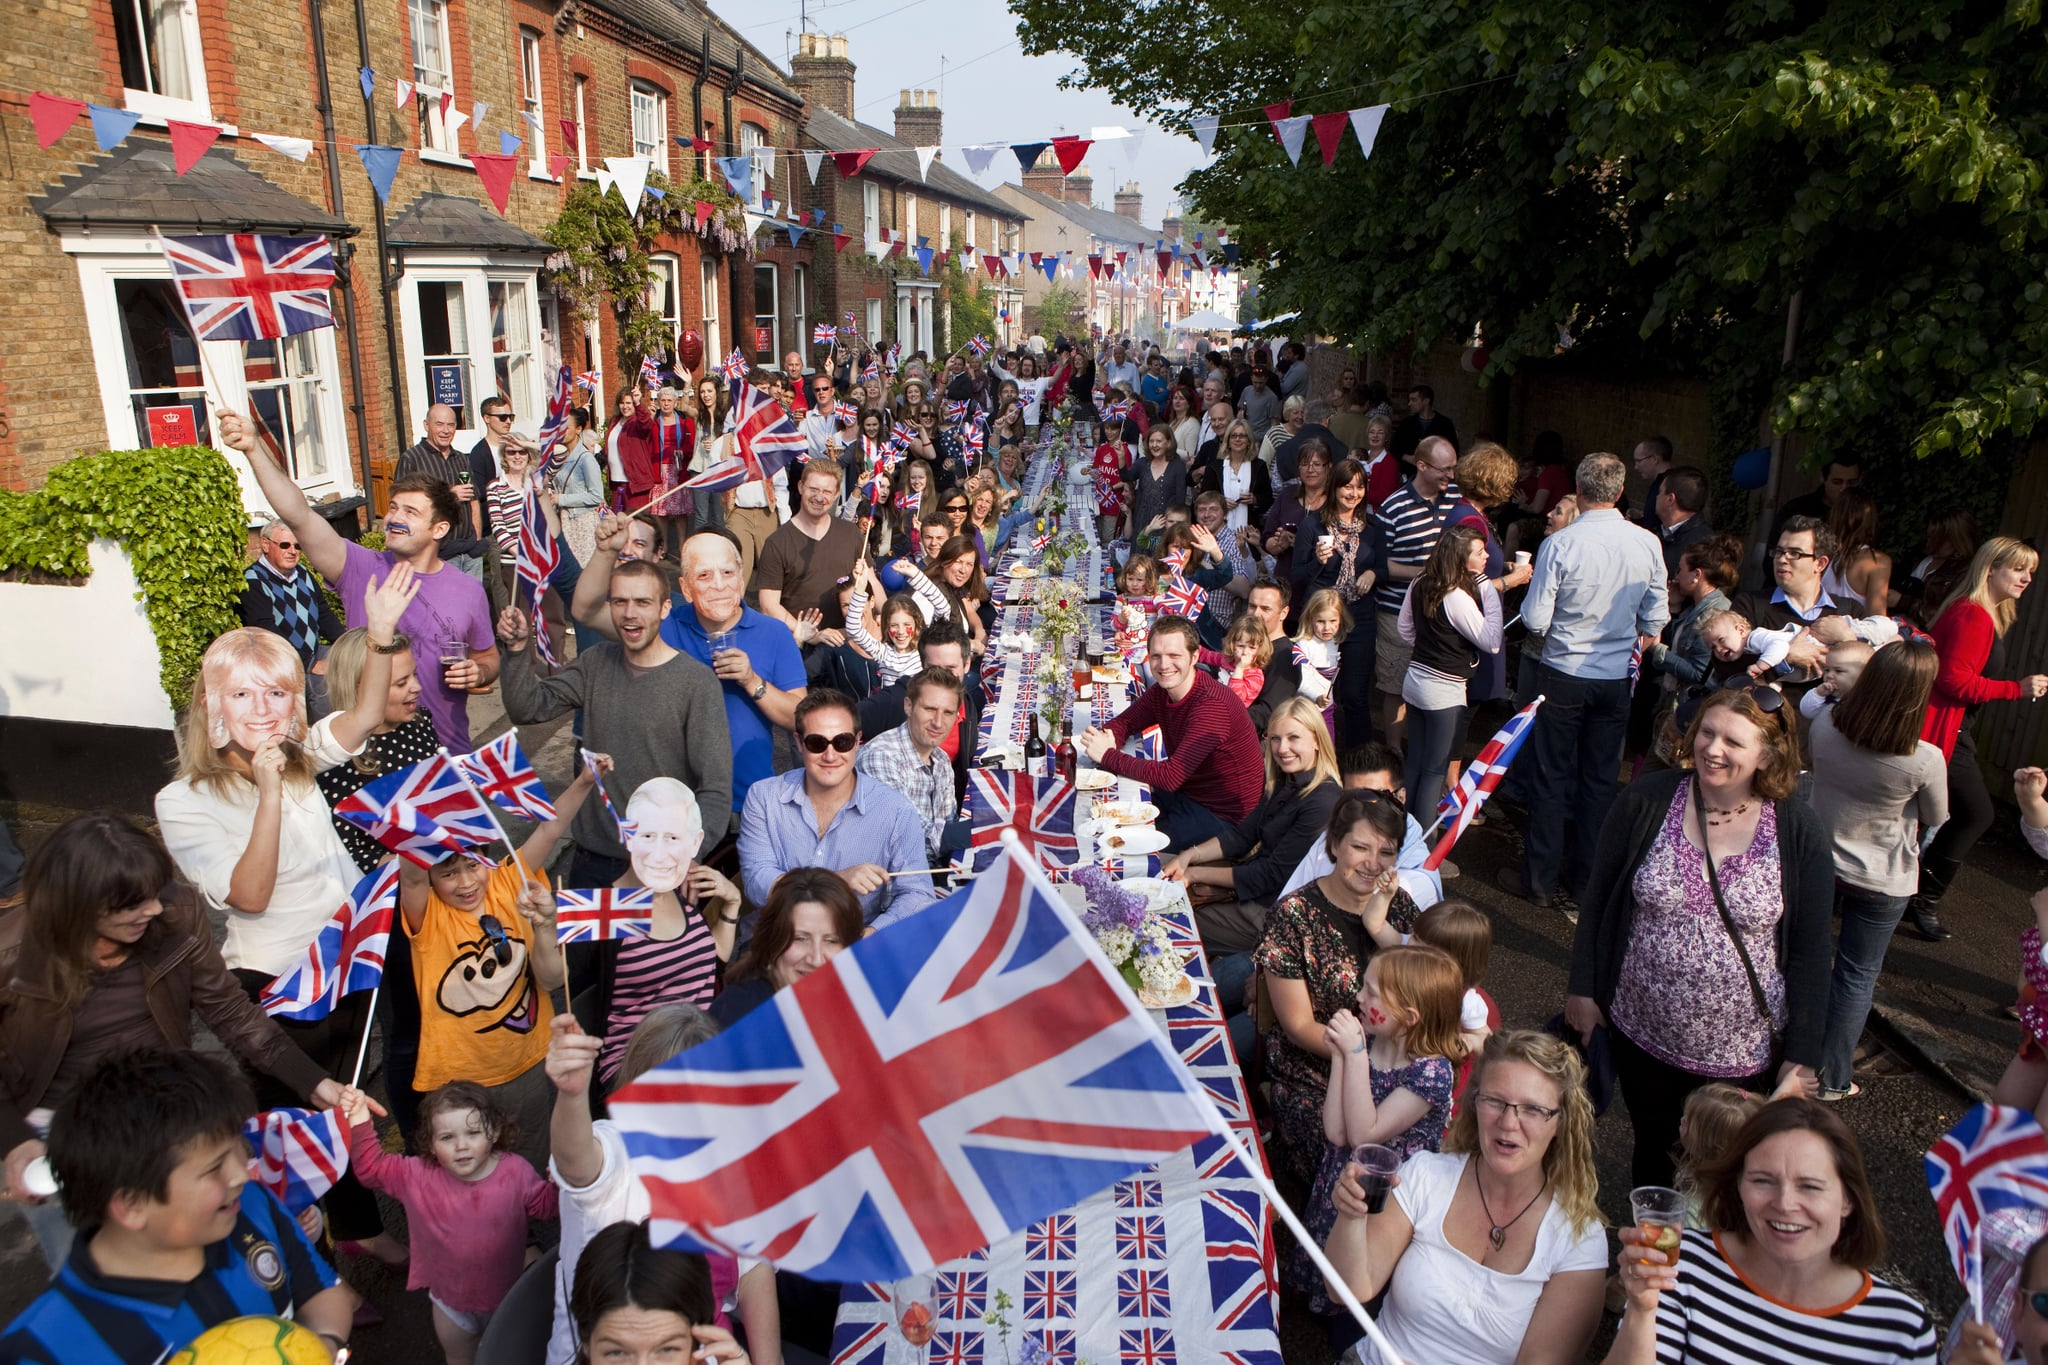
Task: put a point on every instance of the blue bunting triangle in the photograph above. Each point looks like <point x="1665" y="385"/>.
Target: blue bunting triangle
<point x="1028" y="152"/>
<point x="796" y="232"/>
<point x="508" y="143"/>
<point x="1051" y="266"/>
<point x="924" y="259"/>
<point x="739" y="174"/>
<point x="381" y="164"/>
<point x="368" y="79"/>
<point x="110" y="127"/>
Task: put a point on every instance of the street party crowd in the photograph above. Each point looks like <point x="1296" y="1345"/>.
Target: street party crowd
<point x="775" y="682"/>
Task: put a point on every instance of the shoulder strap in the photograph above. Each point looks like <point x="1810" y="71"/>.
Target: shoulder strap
<point x="1756" y="989"/>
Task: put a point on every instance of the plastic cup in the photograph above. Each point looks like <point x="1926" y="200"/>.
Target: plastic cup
<point x="1522" y="557"/>
<point x="453" y="652"/>
<point x="1326" y="542"/>
<point x="1660" y="1212"/>
<point x="1377" y="1165"/>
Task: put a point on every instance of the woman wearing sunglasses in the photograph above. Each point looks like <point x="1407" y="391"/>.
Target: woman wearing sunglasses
<point x="1704" y="933"/>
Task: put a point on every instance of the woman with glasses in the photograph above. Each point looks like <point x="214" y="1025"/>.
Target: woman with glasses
<point x="1704" y="932"/>
<point x="1492" y="1251"/>
<point x="1317" y="942"/>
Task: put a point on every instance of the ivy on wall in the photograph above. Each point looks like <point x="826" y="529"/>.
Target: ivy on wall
<point x="176" y="510"/>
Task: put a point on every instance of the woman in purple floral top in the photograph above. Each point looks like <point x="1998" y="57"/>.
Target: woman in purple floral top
<point x="1655" y="961"/>
<point x="1317" y="943"/>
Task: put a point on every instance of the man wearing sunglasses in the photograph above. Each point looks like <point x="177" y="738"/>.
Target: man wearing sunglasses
<point x="280" y="595"/>
<point x="827" y="814"/>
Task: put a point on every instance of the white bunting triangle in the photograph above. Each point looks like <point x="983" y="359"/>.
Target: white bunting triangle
<point x="604" y="182"/>
<point x="754" y="221"/>
<point x="1366" y="123"/>
<point x="401" y="91"/>
<point x="629" y="173"/>
<point x="813" y="160"/>
<point x="456" y="118"/>
<point x="477" y="112"/>
<point x="924" y="160"/>
<point x="532" y="120"/>
<point x="979" y="155"/>
<point x="1292" y="132"/>
<point x="297" y="148"/>
<point x="1109" y="134"/>
<point x="1131" y="146"/>
<point x="1205" y="126"/>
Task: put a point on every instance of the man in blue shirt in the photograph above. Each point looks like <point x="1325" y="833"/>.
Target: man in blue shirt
<point x="756" y="659"/>
<point x="1157" y="385"/>
<point x="829" y="815"/>
<point x="173" y="1237"/>
<point x="1597" y="595"/>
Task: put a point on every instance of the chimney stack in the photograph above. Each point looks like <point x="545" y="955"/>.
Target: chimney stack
<point x="1169" y="226"/>
<point x="917" y="118"/>
<point x="1080" y="186"/>
<point x="1044" y="176"/>
<point x="822" y="73"/>
<point x="1130" y="204"/>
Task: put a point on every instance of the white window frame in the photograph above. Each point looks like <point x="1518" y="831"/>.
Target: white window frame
<point x="970" y="229"/>
<point x="533" y="101"/>
<point x="667" y="268"/>
<point x="772" y="315"/>
<point x="945" y="227"/>
<point x="582" y="129"/>
<point x="431" y="82"/>
<point x="153" y="103"/>
<point x="475" y="272"/>
<point x="753" y="138"/>
<point x="102" y="260"/>
<point x="871" y="213"/>
<point x="650" y="124"/>
<point x="800" y="288"/>
<point x="909" y="220"/>
<point x="872" y="308"/>
<point x="715" y="348"/>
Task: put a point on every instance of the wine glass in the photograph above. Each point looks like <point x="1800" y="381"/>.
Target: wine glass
<point x="914" y="1308"/>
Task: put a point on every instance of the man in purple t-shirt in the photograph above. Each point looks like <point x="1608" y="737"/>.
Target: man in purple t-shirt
<point x="450" y="615"/>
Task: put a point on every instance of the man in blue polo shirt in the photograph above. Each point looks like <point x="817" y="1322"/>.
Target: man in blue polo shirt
<point x="173" y="1236"/>
<point x="756" y="659"/>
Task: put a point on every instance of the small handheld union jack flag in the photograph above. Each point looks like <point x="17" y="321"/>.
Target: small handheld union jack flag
<point x="902" y="434"/>
<point x="650" y="372"/>
<point x="735" y="366"/>
<point x="1152" y="744"/>
<point x="426" y="812"/>
<point x="1462" y="802"/>
<point x="846" y="413"/>
<point x="978" y="346"/>
<point x="604" y="913"/>
<point x="1996" y="1157"/>
<point x="956" y="411"/>
<point x="626" y="827"/>
<point x="872" y="371"/>
<point x="560" y="403"/>
<point x="345" y="957"/>
<point x="824" y="334"/>
<point x="297" y="1154"/>
<point x="503" y="773"/>
<point x="1179" y="597"/>
<point x="536" y="556"/>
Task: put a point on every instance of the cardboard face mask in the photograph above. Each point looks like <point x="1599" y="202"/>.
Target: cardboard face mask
<point x="667" y="834"/>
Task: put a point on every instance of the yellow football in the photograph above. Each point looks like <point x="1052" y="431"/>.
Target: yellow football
<point x="255" y="1341"/>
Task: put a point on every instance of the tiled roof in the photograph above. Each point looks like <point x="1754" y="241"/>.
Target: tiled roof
<point x="897" y="160"/>
<point x="683" y="25"/>
<point x="447" y="220"/>
<point x="138" y="185"/>
<point x="1110" y="227"/>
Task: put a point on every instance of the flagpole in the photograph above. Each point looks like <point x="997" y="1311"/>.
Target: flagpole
<point x="369" y="1020"/>
<point x="489" y="809"/>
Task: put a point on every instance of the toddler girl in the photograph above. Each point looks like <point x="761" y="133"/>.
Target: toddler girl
<point x="1138" y="580"/>
<point x="1463" y="930"/>
<point x="1325" y="622"/>
<point x="1247" y="649"/>
<point x="466" y="1205"/>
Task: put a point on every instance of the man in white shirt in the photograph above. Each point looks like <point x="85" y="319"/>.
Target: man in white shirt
<point x="1118" y="369"/>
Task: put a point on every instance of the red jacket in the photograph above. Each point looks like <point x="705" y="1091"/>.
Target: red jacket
<point x="637" y="457"/>
<point x="1963" y="636"/>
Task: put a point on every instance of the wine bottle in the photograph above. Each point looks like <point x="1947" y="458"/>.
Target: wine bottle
<point x="1064" y="759"/>
<point x="1034" y="750"/>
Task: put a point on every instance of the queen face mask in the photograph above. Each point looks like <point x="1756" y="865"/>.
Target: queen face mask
<point x="666" y="837"/>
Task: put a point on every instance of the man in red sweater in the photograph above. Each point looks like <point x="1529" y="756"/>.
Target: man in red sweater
<point x="1214" y="771"/>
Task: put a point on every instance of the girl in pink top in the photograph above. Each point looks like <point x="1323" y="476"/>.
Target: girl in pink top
<point x="466" y="1206"/>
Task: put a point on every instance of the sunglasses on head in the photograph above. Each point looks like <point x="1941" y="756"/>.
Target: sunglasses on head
<point x="1768" y="700"/>
<point x="818" y="744"/>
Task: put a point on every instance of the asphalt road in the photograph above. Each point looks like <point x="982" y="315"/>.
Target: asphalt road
<point x="1941" y="1019"/>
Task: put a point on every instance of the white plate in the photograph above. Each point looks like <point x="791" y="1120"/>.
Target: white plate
<point x="1156" y="890"/>
<point x="1130" y="842"/>
<point x="1095" y="780"/>
<point x="1024" y="571"/>
<point x="1182" y="994"/>
<point x="1129" y="812"/>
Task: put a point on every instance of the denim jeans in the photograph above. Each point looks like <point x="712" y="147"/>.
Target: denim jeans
<point x="1187" y="822"/>
<point x="1432" y="735"/>
<point x="1868" y="919"/>
<point x="1575" y="768"/>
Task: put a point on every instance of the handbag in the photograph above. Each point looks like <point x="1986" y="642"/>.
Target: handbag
<point x="1756" y="988"/>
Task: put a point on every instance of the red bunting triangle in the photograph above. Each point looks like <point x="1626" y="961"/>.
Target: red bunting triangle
<point x="704" y="211"/>
<point x="558" y="165"/>
<point x="700" y="144"/>
<point x="1330" y="133"/>
<point x="568" y="127"/>
<point x="839" y="241"/>
<point x="53" y="116"/>
<point x="495" y="172"/>
<point x="1095" y="266"/>
<point x="1121" y="256"/>
<point x="849" y="163"/>
<point x="1276" y="112"/>
<point x="1165" y="260"/>
<point x="1070" y="150"/>
<point x="988" y="263"/>
<point x="447" y="103"/>
<point x="1036" y="257"/>
<point x="189" y="142"/>
<point x="897" y="248"/>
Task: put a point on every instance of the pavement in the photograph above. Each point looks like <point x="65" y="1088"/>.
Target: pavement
<point x="1940" y="1036"/>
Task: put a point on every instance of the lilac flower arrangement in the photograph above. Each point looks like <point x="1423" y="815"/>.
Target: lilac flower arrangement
<point x="1136" y="941"/>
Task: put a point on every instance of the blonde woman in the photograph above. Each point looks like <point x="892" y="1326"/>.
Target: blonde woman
<point x="1975" y="618"/>
<point x="1492" y="1251"/>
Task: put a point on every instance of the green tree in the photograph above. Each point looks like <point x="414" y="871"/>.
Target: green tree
<point x="970" y="312"/>
<point x="1658" y="181"/>
<point x="1059" y="309"/>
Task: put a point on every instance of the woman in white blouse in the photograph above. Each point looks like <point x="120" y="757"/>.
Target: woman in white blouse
<point x="1491" y="1252"/>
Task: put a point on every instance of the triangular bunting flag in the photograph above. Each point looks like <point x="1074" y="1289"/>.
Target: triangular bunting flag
<point x="532" y="121"/>
<point x="1205" y="126"/>
<point x="924" y="160"/>
<point x="924" y="259"/>
<point x="189" y="142"/>
<point x="754" y="221"/>
<point x="839" y="240"/>
<point x="795" y="233"/>
<point x="629" y="173"/>
<point x="53" y="116"/>
<point x="1366" y="123"/>
<point x="558" y="165"/>
<point x="817" y="217"/>
<point x="605" y="181"/>
<point x="700" y="144"/>
<point x="453" y="118"/>
<point x="1095" y="266"/>
<point x="991" y="265"/>
<point x="477" y="112"/>
<point x="849" y="163"/>
<point x="739" y="174"/>
<point x="1276" y="112"/>
<point x="1029" y="152"/>
<point x="1165" y="259"/>
<point x="509" y="143"/>
<point x="110" y="126"/>
<point x="813" y="160"/>
<point x="1070" y="150"/>
<point x="704" y="209"/>
<point x="381" y="164"/>
<point x="297" y="148"/>
<point x="568" y="127"/>
<point x="1330" y="133"/>
<point x="980" y="155"/>
<point x="401" y="94"/>
<point x="495" y="173"/>
<point x="1292" y="131"/>
<point x="655" y="193"/>
<point x="368" y="80"/>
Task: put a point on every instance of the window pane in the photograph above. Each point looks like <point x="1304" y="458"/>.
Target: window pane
<point x="511" y="338"/>
<point x="160" y="349"/>
<point x="765" y="310"/>
<point x="444" y="342"/>
<point x="713" y="350"/>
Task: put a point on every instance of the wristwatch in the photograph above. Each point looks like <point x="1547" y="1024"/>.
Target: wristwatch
<point x="760" y="690"/>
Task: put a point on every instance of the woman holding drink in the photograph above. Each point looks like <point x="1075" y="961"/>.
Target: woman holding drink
<point x="1784" y="1273"/>
<point x="1491" y="1252"/>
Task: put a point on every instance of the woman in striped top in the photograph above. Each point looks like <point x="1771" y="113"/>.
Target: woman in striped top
<point x="1783" y="1273"/>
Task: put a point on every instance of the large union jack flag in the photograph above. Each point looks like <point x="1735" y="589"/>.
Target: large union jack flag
<point x="297" y="1154"/>
<point x="248" y="286"/>
<point x="1462" y="802"/>
<point x="426" y="812"/>
<point x="607" y="912"/>
<point x="1039" y="809"/>
<point x="952" y="1079"/>
<point x="1995" y="1158"/>
<point x="535" y="557"/>
<point x="504" y="774"/>
<point x="346" y="956"/>
<point x="767" y="441"/>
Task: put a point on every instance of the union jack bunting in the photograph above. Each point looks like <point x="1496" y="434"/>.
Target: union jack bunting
<point x="1039" y="809"/>
<point x="251" y="286"/>
<point x="425" y="813"/>
<point x="297" y="1154"/>
<point x="604" y="913"/>
<point x="824" y="334"/>
<point x="346" y="956"/>
<point x="767" y="442"/>
<point x="1996" y="1157"/>
<point x="950" y="1080"/>
<point x="735" y="366"/>
<point x="1479" y="779"/>
<point x="1179" y="597"/>
<point x="502" y="772"/>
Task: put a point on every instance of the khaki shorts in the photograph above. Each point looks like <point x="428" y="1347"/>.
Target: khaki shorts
<point x="1393" y="653"/>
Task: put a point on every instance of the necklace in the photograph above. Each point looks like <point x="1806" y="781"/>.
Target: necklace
<point x="1728" y="817"/>
<point x="1497" y="1231"/>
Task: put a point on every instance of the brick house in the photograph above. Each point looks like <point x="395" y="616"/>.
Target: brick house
<point x="1137" y="298"/>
